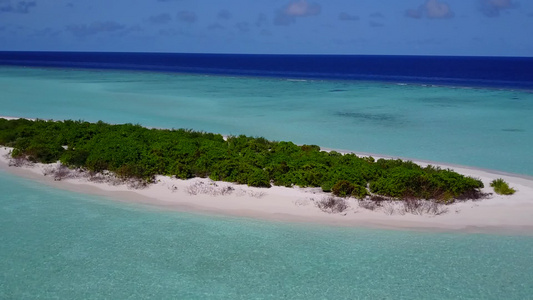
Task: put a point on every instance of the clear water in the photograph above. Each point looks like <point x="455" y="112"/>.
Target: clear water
<point x="56" y="244"/>
<point x="476" y="127"/>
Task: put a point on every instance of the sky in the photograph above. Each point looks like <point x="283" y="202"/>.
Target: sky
<point x="378" y="27"/>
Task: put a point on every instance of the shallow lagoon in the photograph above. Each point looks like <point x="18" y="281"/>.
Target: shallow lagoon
<point x="66" y="245"/>
<point x="60" y="244"/>
<point x="485" y="128"/>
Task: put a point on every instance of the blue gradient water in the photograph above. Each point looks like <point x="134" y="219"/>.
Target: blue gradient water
<point x="486" y="128"/>
<point x="508" y="72"/>
<point x="56" y="244"/>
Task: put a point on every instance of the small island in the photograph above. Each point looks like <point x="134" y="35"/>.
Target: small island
<point x="135" y="152"/>
<point x="255" y="177"/>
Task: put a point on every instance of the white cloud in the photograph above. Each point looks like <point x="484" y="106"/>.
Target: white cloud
<point x="437" y="10"/>
<point x="299" y="8"/>
<point x="431" y="9"/>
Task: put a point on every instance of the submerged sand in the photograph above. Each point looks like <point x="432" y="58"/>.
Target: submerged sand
<point x="496" y="214"/>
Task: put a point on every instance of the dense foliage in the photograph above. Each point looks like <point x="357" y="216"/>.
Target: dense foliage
<point x="134" y="151"/>
<point x="501" y="187"/>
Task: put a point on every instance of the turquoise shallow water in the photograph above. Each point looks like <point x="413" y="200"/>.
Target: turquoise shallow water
<point x="56" y="244"/>
<point x="475" y="127"/>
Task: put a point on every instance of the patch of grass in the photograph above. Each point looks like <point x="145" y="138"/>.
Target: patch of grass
<point x="501" y="187"/>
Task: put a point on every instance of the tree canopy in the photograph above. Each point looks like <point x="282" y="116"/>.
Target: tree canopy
<point x="134" y="151"/>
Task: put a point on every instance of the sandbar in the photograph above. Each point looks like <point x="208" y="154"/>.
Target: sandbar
<point x="496" y="214"/>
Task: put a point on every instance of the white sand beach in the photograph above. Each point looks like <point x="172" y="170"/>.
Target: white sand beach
<point x="15" y="118"/>
<point x="496" y="214"/>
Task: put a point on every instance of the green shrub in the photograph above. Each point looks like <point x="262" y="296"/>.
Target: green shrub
<point x="75" y="158"/>
<point x="359" y="192"/>
<point x="501" y="187"/>
<point x="45" y="153"/>
<point x="259" y="178"/>
<point x="133" y="151"/>
<point x="411" y="182"/>
<point x="327" y="186"/>
<point x="344" y="188"/>
<point x="182" y="171"/>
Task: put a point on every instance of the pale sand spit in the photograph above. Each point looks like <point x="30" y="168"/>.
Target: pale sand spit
<point x="496" y="214"/>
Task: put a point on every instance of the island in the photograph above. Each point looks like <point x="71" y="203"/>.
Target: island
<point x="200" y="163"/>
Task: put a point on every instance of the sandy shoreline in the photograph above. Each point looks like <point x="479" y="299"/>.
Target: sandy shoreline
<point x="15" y="118"/>
<point x="497" y="214"/>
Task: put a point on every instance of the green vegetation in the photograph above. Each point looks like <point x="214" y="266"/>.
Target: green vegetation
<point x="132" y="151"/>
<point x="501" y="187"/>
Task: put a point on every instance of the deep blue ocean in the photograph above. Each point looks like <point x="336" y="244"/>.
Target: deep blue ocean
<point x="509" y="72"/>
